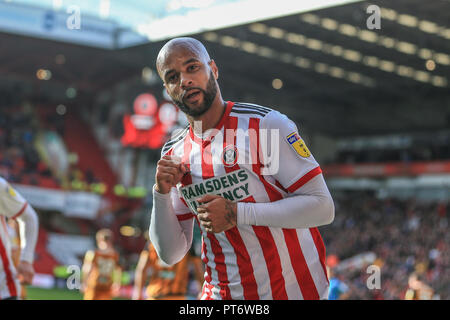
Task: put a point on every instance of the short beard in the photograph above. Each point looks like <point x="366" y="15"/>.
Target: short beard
<point x="208" y="97"/>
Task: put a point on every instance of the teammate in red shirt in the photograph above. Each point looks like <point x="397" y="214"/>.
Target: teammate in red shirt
<point x="245" y="174"/>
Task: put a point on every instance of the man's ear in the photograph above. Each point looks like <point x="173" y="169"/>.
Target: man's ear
<point x="214" y="68"/>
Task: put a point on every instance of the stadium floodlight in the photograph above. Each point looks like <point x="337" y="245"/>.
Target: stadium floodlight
<point x="148" y="75"/>
<point x="71" y="93"/>
<point x="43" y="74"/>
<point x="61" y="109"/>
<point x="430" y="65"/>
<point x="277" y="84"/>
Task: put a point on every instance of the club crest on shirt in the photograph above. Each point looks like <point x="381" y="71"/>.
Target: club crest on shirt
<point x="230" y="155"/>
<point x="298" y="145"/>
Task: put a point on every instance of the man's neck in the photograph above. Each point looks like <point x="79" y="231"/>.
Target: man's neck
<point x="210" y="118"/>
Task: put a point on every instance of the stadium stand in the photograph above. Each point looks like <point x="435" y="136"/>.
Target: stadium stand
<point x="405" y="236"/>
<point x="45" y="261"/>
<point x="80" y="140"/>
<point x="68" y="249"/>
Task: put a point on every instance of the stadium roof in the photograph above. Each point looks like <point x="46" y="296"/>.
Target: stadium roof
<point x="335" y="75"/>
<point x="156" y="19"/>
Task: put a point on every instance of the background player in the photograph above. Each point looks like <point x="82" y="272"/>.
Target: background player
<point x="101" y="273"/>
<point x="14" y="206"/>
<point x="165" y="282"/>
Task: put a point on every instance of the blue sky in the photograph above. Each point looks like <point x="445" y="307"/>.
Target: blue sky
<point x="129" y="12"/>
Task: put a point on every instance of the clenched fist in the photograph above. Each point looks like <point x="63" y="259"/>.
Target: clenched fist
<point x="217" y="214"/>
<point x="169" y="172"/>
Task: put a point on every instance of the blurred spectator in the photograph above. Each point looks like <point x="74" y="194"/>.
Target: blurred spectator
<point x="338" y="289"/>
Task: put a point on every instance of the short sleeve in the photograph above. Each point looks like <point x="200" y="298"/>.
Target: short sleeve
<point x="285" y="154"/>
<point x="12" y="204"/>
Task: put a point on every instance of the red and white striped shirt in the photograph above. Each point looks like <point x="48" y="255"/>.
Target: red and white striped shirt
<point x="12" y="205"/>
<point x="248" y="261"/>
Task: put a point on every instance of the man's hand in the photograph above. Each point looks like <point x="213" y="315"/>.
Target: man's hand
<point x="217" y="214"/>
<point x="169" y="172"/>
<point x="25" y="272"/>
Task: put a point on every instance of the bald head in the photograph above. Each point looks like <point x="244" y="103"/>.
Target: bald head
<point x="180" y="45"/>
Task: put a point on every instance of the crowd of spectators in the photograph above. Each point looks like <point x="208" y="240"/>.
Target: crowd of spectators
<point x="407" y="238"/>
<point x="19" y="160"/>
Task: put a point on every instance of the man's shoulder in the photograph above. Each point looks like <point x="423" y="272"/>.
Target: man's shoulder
<point x="245" y="109"/>
<point x="268" y="117"/>
<point x="8" y="193"/>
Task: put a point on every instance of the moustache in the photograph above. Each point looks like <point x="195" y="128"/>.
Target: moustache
<point x="186" y="92"/>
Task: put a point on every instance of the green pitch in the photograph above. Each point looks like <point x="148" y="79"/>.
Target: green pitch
<point x="52" y="294"/>
<point x="34" y="293"/>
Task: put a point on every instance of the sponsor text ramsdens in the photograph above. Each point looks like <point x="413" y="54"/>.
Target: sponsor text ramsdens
<point x="233" y="186"/>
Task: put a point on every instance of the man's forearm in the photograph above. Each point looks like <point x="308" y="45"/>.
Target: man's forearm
<point x="170" y="238"/>
<point x="28" y="227"/>
<point x="312" y="209"/>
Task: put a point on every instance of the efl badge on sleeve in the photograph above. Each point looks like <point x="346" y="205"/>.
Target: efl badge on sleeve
<point x="11" y="191"/>
<point x="298" y="144"/>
